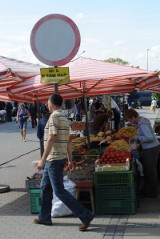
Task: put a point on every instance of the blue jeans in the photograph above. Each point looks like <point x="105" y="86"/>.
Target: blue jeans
<point x="23" y="124"/>
<point x="52" y="179"/>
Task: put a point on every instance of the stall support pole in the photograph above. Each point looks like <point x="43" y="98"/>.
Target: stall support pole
<point x="39" y="116"/>
<point x="87" y="124"/>
<point x="123" y="111"/>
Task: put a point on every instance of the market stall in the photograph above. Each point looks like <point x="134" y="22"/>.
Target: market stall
<point x="106" y="167"/>
<point x="109" y="164"/>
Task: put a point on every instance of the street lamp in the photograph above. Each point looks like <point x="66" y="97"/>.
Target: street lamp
<point x="147" y="58"/>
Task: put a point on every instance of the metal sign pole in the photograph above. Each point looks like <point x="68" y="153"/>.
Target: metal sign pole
<point x="56" y="88"/>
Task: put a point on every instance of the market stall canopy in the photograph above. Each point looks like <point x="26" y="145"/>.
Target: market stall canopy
<point x="13" y="71"/>
<point x="4" y="96"/>
<point x="90" y="77"/>
<point x="155" y="88"/>
<point x="7" y="96"/>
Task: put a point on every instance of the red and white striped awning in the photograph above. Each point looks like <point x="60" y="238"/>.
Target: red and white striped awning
<point x="4" y="96"/>
<point x="156" y="88"/>
<point x="90" y="77"/>
<point x="13" y="71"/>
<point x="9" y="97"/>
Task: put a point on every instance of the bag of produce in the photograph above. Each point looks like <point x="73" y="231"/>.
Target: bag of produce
<point x="59" y="209"/>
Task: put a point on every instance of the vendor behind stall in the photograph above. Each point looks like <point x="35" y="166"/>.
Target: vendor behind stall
<point x="150" y="151"/>
<point x="100" y="123"/>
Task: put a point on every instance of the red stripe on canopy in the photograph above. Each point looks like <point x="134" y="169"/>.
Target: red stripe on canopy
<point x="91" y="77"/>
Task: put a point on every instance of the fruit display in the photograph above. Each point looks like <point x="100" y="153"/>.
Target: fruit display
<point x="119" y="144"/>
<point x="114" y="156"/>
<point x="78" y="143"/>
<point x="96" y="138"/>
<point x="77" y="165"/>
<point x="126" y="132"/>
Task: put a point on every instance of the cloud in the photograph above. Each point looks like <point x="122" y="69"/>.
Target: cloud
<point x="79" y="16"/>
<point x="23" y="37"/>
<point x="22" y="53"/>
<point x="140" y="56"/>
<point x="154" y="51"/>
<point x="91" y="40"/>
<point x="106" y="54"/>
<point x="116" y="43"/>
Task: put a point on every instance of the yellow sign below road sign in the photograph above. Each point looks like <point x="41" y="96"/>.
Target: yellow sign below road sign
<point x="54" y="75"/>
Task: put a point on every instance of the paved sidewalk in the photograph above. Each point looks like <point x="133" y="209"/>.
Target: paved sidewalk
<point x="16" y="221"/>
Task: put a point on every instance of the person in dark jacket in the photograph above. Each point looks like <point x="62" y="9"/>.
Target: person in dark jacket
<point x="150" y="151"/>
<point x="116" y="118"/>
<point x="40" y="129"/>
<point x="9" y="108"/>
<point x="33" y="114"/>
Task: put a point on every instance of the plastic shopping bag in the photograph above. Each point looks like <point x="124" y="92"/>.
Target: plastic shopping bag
<point x="59" y="209"/>
<point x="140" y="167"/>
<point x="151" y="107"/>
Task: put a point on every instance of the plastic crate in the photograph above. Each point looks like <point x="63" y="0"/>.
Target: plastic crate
<point x="115" y="192"/>
<point x="115" y="206"/>
<point x="32" y="183"/>
<point x="114" y="178"/>
<point x="35" y="200"/>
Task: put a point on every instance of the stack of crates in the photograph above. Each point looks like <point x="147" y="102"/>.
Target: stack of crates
<point x="114" y="192"/>
<point x="35" y="200"/>
<point x="33" y="186"/>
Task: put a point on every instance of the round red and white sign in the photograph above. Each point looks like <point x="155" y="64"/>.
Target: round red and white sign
<point x="55" y="40"/>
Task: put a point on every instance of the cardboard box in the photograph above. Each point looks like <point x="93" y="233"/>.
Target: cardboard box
<point x="113" y="167"/>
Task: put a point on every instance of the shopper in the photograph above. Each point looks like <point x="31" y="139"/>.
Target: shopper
<point x="78" y="110"/>
<point x="33" y="114"/>
<point x="40" y="129"/>
<point x="57" y="148"/>
<point x="22" y="117"/>
<point x="154" y="105"/>
<point x="9" y="108"/>
<point x="150" y="151"/>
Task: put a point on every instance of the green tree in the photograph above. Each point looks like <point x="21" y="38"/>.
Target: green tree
<point x="118" y="61"/>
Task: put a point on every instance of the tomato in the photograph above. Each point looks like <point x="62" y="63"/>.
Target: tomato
<point x="123" y="153"/>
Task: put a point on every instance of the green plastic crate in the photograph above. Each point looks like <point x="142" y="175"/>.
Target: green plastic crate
<point x="114" y="178"/>
<point x="115" y="192"/>
<point x="116" y="206"/>
<point x="35" y="200"/>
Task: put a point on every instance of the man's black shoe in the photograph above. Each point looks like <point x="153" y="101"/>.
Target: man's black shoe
<point x="37" y="221"/>
<point x="83" y="227"/>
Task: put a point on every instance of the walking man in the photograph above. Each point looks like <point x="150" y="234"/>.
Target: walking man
<point x="57" y="149"/>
